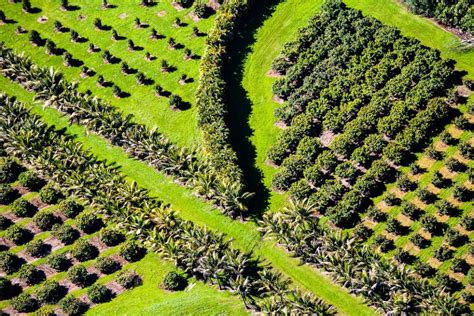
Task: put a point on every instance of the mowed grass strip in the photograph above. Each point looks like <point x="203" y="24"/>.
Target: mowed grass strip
<point x="244" y="235"/>
<point x="180" y="127"/>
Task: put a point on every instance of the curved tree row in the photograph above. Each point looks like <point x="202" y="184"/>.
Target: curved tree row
<point x="140" y="142"/>
<point x="198" y="251"/>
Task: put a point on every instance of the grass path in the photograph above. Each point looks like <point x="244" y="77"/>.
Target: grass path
<point x="244" y="235"/>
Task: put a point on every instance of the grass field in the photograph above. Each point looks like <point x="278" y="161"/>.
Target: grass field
<point x="148" y="109"/>
<point x="181" y="127"/>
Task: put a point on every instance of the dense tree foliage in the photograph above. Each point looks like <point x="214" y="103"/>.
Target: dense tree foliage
<point x="455" y="13"/>
<point x="378" y="92"/>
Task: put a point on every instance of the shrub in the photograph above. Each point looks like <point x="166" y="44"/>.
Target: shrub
<point x="107" y="265"/>
<point x="31" y="275"/>
<point x="462" y="122"/>
<point x="425" y="196"/>
<point x="50" y="195"/>
<point x="23" y="208"/>
<point x="431" y="225"/>
<point x="9" y="262"/>
<point x="439" y="181"/>
<point x="5" y="222"/>
<point x="410" y="210"/>
<point x="444" y="280"/>
<point x="84" y="251"/>
<point x="391" y="199"/>
<point x="18" y="235"/>
<point x="59" y="262"/>
<point x="403" y="256"/>
<point x="175" y="101"/>
<point x="46" y="220"/>
<point x="376" y="214"/>
<point x="467" y="222"/>
<point x="415" y="168"/>
<point x="443" y="253"/>
<point x="132" y="252"/>
<point x="50" y="292"/>
<point x="99" y="293"/>
<point x="65" y="233"/>
<point x="423" y="269"/>
<point x="362" y="232"/>
<point x="128" y="279"/>
<point x="9" y="169"/>
<point x="447" y="138"/>
<point x="30" y="180"/>
<point x="405" y="184"/>
<point x="462" y="194"/>
<point x="383" y="243"/>
<point x="7" y="289"/>
<point x="445" y="208"/>
<point x="455" y="165"/>
<point x="89" y="223"/>
<point x="70" y="208"/>
<point x="420" y="241"/>
<point x="394" y="226"/>
<point x="37" y="248"/>
<point x="200" y="9"/>
<point x="459" y="266"/>
<point x="24" y="303"/>
<point x="7" y="194"/>
<point x="434" y="154"/>
<point x="71" y="305"/>
<point x="174" y="281"/>
<point x="78" y="275"/>
<point x="453" y="237"/>
<point x="466" y="150"/>
<point x="111" y="237"/>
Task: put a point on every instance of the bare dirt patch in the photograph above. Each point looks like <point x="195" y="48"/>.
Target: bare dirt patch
<point x="162" y="13"/>
<point x="38" y="203"/>
<point x="123" y="16"/>
<point x="115" y="287"/>
<point x="42" y="19"/>
<point x="327" y="137"/>
<point x="281" y="124"/>
<point x="177" y="6"/>
<point x="53" y="242"/>
<point x="96" y="242"/>
<point x="21" y="189"/>
<point x="273" y="74"/>
<point x="270" y="163"/>
<point x="277" y="99"/>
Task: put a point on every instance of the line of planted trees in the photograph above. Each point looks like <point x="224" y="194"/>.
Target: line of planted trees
<point x="454" y="13"/>
<point x="207" y="255"/>
<point x="211" y="92"/>
<point x="391" y="287"/>
<point x="137" y="140"/>
<point x="360" y="98"/>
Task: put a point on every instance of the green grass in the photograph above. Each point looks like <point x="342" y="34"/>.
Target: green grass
<point x="393" y="13"/>
<point x="180" y="127"/>
<point x="244" y="235"/>
<point x="150" y="299"/>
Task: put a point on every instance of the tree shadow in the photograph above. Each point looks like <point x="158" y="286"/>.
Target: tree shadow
<point x="240" y="106"/>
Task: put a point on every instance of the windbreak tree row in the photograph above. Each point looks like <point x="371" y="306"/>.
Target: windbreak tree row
<point x="197" y="251"/>
<point x="136" y="139"/>
<point x="358" y="99"/>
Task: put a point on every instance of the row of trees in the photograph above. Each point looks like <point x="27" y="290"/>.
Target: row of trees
<point x="140" y="142"/>
<point x="381" y="103"/>
<point x="211" y="95"/>
<point x="50" y="292"/>
<point x="197" y="251"/>
<point x="393" y="288"/>
<point x="454" y="13"/>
